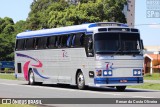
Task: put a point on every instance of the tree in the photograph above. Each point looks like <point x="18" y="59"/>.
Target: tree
<point x="20" y="26"/>
<point x="7" y="38"/>
<point x="56" y="13"/>
<point x="8" y="29"/>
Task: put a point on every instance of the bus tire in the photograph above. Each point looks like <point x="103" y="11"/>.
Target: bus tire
<point x="80" y="81"/>
<point x="31" y="79"/>
<point x="120" y="88"/>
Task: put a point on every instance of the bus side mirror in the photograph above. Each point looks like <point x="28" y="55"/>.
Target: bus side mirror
<point x="90" y="49"/>
<point x="142" y="46"/>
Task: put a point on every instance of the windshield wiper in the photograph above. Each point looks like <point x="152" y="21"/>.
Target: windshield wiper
<point x="116" y="51"/>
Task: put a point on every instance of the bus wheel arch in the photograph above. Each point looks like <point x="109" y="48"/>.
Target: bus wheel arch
<point x="80" y="80"/>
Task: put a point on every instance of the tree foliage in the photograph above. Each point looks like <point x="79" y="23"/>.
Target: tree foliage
<point x="57" y="13"/>
<point x="6" y="38"/>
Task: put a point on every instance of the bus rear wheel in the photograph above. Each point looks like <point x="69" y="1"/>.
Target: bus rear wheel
<point x="31" y="80"/>
<point x="80" y="81"/>
<point x="120" y="88"/>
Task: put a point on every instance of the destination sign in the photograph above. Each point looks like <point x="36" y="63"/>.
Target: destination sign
<point x="112" y="24"/>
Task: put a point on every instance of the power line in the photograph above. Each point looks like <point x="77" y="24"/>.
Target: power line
<point x="146" y="24"/>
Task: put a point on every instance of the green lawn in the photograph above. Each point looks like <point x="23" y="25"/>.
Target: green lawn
<point x="7" y="76"/>
<point x="154" y="76"/>
<point x="152" y="86"/>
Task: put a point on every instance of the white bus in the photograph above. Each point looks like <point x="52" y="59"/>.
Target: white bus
<point x="94" y="54"/>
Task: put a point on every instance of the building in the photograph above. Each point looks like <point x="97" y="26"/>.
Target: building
<point x="152" y="59"/>
<point x="151" y="63"/>
<point x="73" y="1"/>
<point x="129" y="11"/>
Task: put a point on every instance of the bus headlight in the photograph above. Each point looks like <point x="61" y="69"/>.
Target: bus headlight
<point x="137" y="72"/>
<point x="107" y="72"/>
<point x="110" y="72"/>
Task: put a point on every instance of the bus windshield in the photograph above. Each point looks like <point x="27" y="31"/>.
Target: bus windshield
<point x="117" y="43"/>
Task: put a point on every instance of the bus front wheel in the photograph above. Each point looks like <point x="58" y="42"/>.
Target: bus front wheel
<point x="80" y="81"/>
<point x="120" y="88"/>
<point x="31" y="80"/>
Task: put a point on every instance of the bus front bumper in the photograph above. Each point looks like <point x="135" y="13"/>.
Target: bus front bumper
<point x="117" y="81"/>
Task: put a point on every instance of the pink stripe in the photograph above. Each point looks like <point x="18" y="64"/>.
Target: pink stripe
<point x="107" y="66"/>
<point x="38" y="65"/>
<point x="25" y="69"/>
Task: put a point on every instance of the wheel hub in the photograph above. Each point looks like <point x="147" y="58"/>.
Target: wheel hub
<point x="31" y="77"/>
<point x="80" y="80"/>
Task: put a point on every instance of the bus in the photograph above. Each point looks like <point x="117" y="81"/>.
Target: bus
<point x="102" y="54"/>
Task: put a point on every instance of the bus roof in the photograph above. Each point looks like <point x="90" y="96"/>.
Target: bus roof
<point x="86" y="28"/>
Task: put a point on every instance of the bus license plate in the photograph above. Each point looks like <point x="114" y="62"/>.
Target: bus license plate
<point x="123" y="81"/>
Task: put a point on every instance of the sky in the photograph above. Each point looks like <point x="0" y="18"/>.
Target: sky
<point x="15" y="9"/>
<point x="19" y="9"/>
<point x="149" y="33"/>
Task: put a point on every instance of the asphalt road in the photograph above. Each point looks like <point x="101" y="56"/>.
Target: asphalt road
<point x="20" y="89"/>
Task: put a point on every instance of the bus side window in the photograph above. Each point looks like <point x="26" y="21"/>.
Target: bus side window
<point x="78" y="40"/>
<point x="36" y="41"/>
<point x="73" y="41"/>
<point x="42" y="43"/>
<point x="30" y="44"/>
<point x="69" y="40"/>
<point x="64" y="41"/>
<point x="89" y="46"/>
<point x="82" y="39"/>
<point x="20" y="44"/>
<point x="51" y="42"/>
<point x="58" y="41"/>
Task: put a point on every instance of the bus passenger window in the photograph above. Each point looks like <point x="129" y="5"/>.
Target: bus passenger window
<point x="20" y="44"/>
<point x="78" y="40"/>
<point x="73" y="41"/>
<point x="51" y="42"/>
<point x="69" y="41"/>
<point x="58" y="41"/>
<point x="82" y="40"/>
<point x="64" y="41"/>
<point x="30" y="43"/>
<point x="36" y="41"/>
<point x="42" y="43"/>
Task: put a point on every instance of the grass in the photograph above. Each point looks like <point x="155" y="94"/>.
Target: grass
<point x="154" y="76"/>
<point x="15" y="105"/>
<point x="152" y="86"/>
<point x="7" y="76"/>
